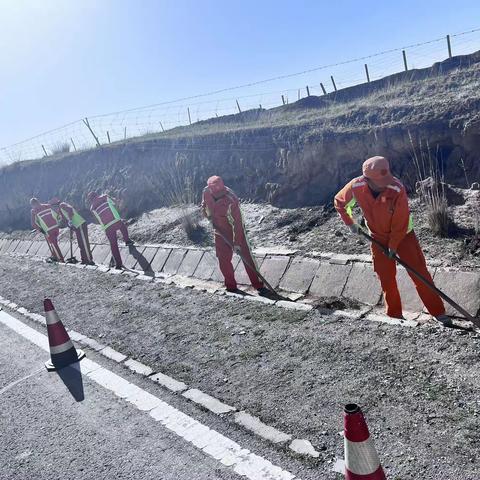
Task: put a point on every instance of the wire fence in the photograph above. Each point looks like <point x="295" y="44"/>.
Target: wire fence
<point x="99" y="130"/>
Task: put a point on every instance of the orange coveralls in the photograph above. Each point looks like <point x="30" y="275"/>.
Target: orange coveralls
<point x="389" y="221"/>
<point x="224" y="211"/>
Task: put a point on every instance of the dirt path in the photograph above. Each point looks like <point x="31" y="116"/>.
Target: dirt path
<point x="295" y="370"/>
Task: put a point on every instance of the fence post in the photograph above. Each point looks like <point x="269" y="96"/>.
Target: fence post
<point x="161" y="125"/>
<point x="299" y="94"/>
<point x="44" y="151"/>
<point x="283" y="99"/>
<point x="73" y="143"/>
<point x="323" y="89"/>
<point x="333" y="81"/>
<point x="308" y="91"/>
<point x="405" y="60"/>
<point x="125" y="133"/>
<point x="108" y="136"/>
<point x="449" y="47"/>
<point x="366" y="71"/>
<point x="238" y="106"/>
<point x="189" y="117"/>
<point x="85" y="121"/>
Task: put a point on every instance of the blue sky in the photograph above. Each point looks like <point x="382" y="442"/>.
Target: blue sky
<point x="62" y="60"/>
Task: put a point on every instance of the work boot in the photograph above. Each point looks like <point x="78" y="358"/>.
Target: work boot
<point x="445" y="320"/>
<point x="129" y="243"/>
<point x="263" y="291"/>
<point x="233" y="290"/>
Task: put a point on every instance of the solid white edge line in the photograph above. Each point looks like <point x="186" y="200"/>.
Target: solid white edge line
<point x="209" y="441"/>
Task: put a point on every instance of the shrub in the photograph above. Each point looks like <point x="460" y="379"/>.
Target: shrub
<point x="60" y="148"/>
<point x="431" y="188"/>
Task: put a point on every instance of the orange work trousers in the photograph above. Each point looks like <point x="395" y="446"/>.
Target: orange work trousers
<point x="411" y="253"/>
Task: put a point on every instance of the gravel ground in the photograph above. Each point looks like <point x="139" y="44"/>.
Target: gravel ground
<point x="295" y="370"/>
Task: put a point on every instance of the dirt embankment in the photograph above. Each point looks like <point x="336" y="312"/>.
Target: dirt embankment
<point x="292" y="156"/>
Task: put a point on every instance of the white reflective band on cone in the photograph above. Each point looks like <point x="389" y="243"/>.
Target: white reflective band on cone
<point x="61" y="348"/>
<point x="361" y="458"/>
<point x="52" y="317"/>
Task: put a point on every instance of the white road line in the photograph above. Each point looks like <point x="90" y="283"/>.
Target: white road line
<point x="212" y="443"/>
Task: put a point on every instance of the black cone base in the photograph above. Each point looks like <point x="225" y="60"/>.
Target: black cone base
<point x="64" y="359"/>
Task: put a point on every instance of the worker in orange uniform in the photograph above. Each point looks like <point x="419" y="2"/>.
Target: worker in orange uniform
<point x="384" y="203"/>
<point x="105" y="211"/>
<point x="46" y="221"/>
<point x="221" y="206"/>
<point x="76" y="223"/>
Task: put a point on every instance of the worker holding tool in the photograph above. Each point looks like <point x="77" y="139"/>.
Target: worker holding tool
<point x="221" y="206"/>
<point x="384" y="203"/>
<point x="46" y="221"/>
<point x="106" y="213"/>
<point x="77" y="224"/>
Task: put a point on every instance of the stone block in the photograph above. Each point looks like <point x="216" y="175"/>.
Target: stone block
<point x="22" y="247"/>
<point x="44" y="250"/>
<point x="240" y="272"/>
<point x="65" y="249"/>
<point x="255" y="425"/>
<point x="113" y="354"/>
<point x="138" y="367"/>
<point x="132" y="255"/>
<point x="174" y="261"/>
<point x="34" y="248"/>
<point x="462" y="287"/>
<point x="101" y="254"/>
<point x="208" y="402"/>
<point x="169" y="382"/>
<point x="206" y="266"/>
<point x="363" y="285"/>
<point x="330" y="280"/>
<point x="145" y="261"/>
<point x="160" y="258"/>
<point x="299" y="275"/>
<point x="190" y="262"/>
<point x="410" y="300"/>
<point x="273" y="268"/>
<point x="13" y="245"/>
<point x="340" y="259"/>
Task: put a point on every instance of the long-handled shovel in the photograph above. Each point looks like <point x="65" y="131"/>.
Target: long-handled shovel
<point x="429" y="284"/>
<point x="247" y="263"/>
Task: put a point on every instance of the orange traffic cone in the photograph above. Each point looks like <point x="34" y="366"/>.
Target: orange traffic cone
<point x="361" y="458"/>
<point x="62" y="351"/>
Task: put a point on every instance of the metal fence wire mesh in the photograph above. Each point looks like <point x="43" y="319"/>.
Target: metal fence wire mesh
<point x="97" y="130"/>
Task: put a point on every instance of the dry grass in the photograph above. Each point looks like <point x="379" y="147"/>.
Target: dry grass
<point x="63" y="147"/>
<point x="431" y="187"/>
<point x="184" y="193"/>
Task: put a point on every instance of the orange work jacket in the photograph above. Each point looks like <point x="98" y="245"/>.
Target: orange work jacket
<point x="387" y="216"/>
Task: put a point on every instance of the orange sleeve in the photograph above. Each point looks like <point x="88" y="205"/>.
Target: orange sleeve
<point x="344" y="199"/>
<point x="400" y="219"/>
<point x="237" y="226"/>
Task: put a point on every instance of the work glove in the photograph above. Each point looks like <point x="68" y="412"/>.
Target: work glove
<point x="70" y="224"/>
<point x="390" y="253"/>
<point x="355" y="228"/>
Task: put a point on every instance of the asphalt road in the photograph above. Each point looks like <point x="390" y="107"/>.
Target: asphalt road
<point x="47" y="431"/>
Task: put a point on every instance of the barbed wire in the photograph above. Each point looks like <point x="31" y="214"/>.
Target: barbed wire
<point x="161" y="118"/>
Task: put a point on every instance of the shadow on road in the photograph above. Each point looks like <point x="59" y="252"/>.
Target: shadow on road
<point x="71" y="376"/>
<point x="142" y="261"/>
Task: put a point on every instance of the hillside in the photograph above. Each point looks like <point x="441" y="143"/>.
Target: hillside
<point x="292" y="156"/>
